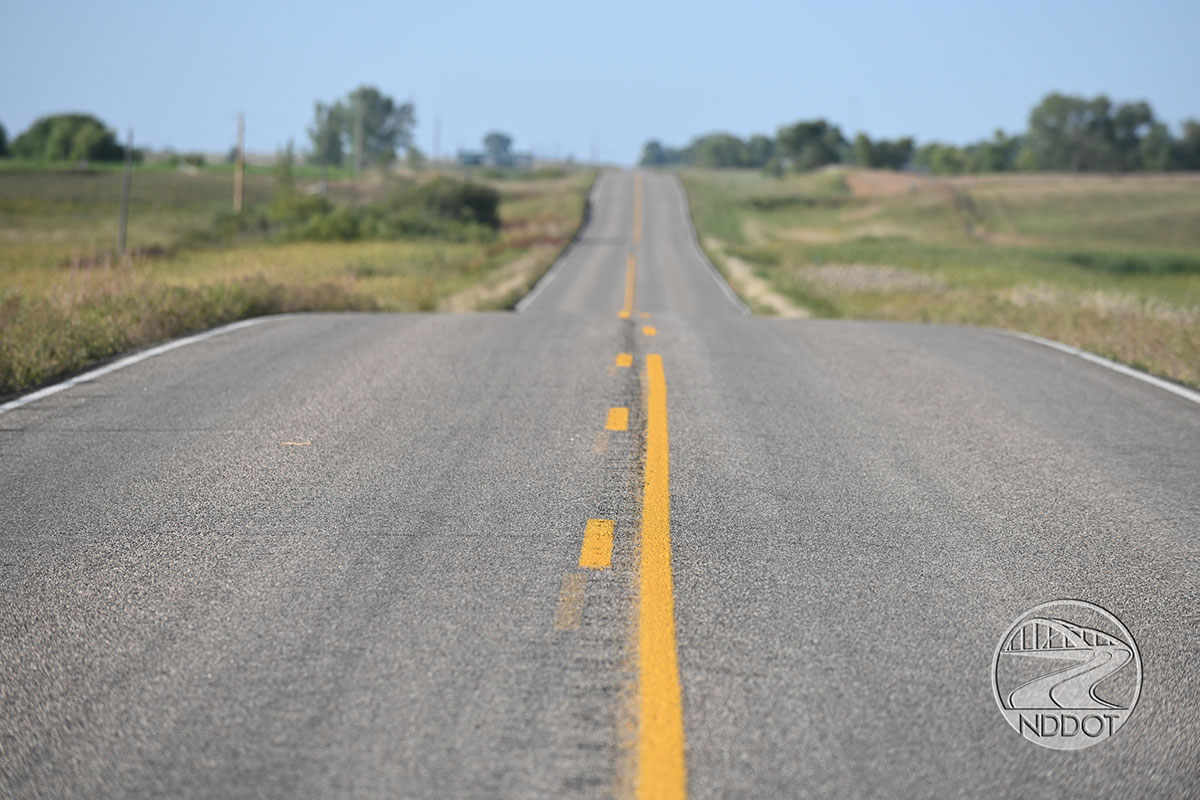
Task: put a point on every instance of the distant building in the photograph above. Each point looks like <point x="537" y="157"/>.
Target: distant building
<point x="475" y="158"/>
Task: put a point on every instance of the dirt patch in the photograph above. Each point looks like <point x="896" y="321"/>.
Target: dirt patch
<point x="865" y="183"/>
<point x="754" y="290"/>
<point x="868" y="278"/>
<point x="503" y="283"/>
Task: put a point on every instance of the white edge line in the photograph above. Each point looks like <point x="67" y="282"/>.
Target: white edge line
<point x="1173" y="388"/>
<point x="550" y="275"/>
<point x="134" y="359"/>
<point x="742" y="308"/>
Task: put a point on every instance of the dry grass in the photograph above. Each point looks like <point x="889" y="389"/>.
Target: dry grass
<point x="67" y="302"/>
<point x="1110" y="264"/>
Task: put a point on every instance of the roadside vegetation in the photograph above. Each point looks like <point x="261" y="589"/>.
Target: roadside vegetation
<point x="1109" y="263"/>
<point x="395" y="241"/>
<point x="1065" y="134"/>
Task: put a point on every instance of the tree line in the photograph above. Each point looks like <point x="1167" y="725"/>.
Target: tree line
<point x="1064" y="133"/>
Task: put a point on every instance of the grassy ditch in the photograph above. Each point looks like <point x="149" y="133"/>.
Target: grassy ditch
<point x="1107" y="263"/>
<point x="377" y="243"/>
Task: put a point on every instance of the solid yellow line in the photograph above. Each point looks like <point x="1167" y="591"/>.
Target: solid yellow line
<point x="624" y="359"/>
<point x="630" y="285"/>
<point x="597" y="544"/>
<point x="618" y="419"/>
<point x="650" y="330"/>
<point x="661" y="772"/>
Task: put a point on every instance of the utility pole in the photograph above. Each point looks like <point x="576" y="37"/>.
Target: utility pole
<point x="239" y="166"/>
<point x="126" y="186"/>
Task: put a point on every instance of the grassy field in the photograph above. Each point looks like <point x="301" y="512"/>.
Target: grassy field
<point x="66" y="301"/>
<point x="1107" y="263"/>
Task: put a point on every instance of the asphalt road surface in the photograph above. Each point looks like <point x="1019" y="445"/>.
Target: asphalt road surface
<point x="350" y="555"/>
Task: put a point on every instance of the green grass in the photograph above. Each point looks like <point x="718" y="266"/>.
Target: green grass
<point x="66" y="301"/>
<point x="1111" y="264"/>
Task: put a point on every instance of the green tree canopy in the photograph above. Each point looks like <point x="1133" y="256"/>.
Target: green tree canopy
<point x="653" y="154"/>
<point x="328" y="134"/>
<point x="1185" y="153"/>
<point x="386" y="127"/>
<point x="3" y="142"/>
<point x="68" y="137"/>
<point x="719" y="150"/>
<point x="811" y="144"/>
<point x="498" y="146"/>
<point x="760" y="150"/>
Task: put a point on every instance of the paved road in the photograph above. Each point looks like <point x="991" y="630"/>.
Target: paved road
<point x="394" y="604"/>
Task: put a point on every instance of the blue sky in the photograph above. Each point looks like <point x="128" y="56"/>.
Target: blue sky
<point x="568" y="77"/>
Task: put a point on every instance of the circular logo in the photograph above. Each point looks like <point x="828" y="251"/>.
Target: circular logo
<point x="1067" y="675"/>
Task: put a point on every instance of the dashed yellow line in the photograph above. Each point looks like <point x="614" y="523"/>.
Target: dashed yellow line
<point x="650" y="330"/>
<point x="624" y="359"/>
<point x="618" y="419"/>
<point x="661" y="772"/>
<point x="597" y="544"/>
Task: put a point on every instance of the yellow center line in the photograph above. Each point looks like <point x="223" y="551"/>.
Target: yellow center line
<point x="597" y="544"/>
<point x="297" y="444"/>
<point x="624" y="359"/>
<point x="650" y="330"/>
<point x="618" y="419"/>
<point x="661" y="772"/>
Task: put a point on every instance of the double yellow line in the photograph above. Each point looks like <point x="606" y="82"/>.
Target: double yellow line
<point x="660" y="763"/>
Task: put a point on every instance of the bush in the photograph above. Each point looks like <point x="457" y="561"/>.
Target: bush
<point x="444" y="209"/>
<point x="68" y="137"/>
<point x="340" y="224"/>
<point x="459" y="201"/>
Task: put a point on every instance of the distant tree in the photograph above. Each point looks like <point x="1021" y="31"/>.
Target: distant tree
<point x="862" y="150"/>
<point x="498" y="147"/>
<point x="386" y="125"/>
<point x="759" y="151"/>
<point x="1185" y="151"/>
<point x="1131" y="123"/>
<point x="68" y="137"/>
<point x="3" y="142"/>
<point x="883" y="153"/>
<point x="1154" y="149"/>
<point x="1073" y="133"/>
<point x="653" y="154"/>
<point x="328" y="134"/>
<point x="719" y="150"/>
<point x="892" y="153"/>
<point x="810" y="144"/>
<point x="941" y="159"/>
<point x="998" y="154"/>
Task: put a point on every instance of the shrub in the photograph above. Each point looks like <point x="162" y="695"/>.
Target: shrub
<point x="68" y="137"/>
